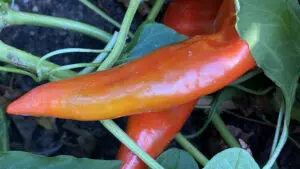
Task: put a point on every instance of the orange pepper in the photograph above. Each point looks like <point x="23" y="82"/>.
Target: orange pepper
<point x="153" y="131"/>
<point x="170" y="76"/>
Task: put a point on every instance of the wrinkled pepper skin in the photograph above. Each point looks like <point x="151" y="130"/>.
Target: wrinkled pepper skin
<point x="170" y="76"/>
<point x="192" y="17"/>
<point x="153" y="131"/>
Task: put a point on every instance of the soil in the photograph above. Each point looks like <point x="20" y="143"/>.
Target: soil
<point x="90" y="139"/>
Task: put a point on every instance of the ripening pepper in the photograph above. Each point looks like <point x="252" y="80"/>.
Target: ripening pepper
<point x="153" y="131"/>
<point x="170" y="76"/>
<point x="192" y="17"/>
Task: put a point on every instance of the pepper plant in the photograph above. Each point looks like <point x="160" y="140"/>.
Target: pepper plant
<point x="272" y="40"/>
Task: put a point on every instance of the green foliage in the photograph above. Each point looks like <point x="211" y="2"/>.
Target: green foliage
<point x="149" y="37"/>
<point x="233" y="158"/>
<point x="177" y="159"/>
<point x="24" y="160"/>
<point x="5" y="1"/>
<point x="271" y="29"/>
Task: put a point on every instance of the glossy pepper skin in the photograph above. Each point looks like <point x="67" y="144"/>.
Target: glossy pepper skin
<point x="192" y="17"/>
<point x="153" y="131"/>
<point x="170" y="76"/>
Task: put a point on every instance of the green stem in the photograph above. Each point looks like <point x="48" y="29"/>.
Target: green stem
<point x="19" y="71"/>
<point x="247" y="76"/>
<point x="191" y="149"/>
<point x="61" y="51"/>
<point x="280" y="145"/>
<point x="19" y="58"/>
<point x="277" y="131"/>
<point x="223" y="131"/>
<point x="254" y="92"/>
<point x="123" y="137"/>
<point x="249" y="119"/>
<point x="266" y="123"/>
<point x="121" y="40"/>
<point x="100" y="12"/>
<point x="203" y="128"/>
<point x="287" y="103"/>
<point x="101" y="56"/>
<point x="4" y="146"/>
<point x="72" y="66"/>
<point x="11" y="17"/>
<point x="155" y="10"/>
<point x="103" y="14"/>
<point x="30" y="64"/>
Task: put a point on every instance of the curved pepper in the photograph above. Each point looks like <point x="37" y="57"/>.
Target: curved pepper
<point x="153" y="131"/>
<point x="167" y="77"/>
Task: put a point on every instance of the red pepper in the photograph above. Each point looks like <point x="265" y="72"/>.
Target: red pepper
<point x="153" y="131"/>
<point x="170" y="76"/>
<point x="192" y="17"/>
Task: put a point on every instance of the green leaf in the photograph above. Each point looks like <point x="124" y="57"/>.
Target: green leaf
<point x="270" y="27"/>
<point x="152" y="36"/>
<point x="233" y="158"/>
<point x="177" y="159"/>
<point x="24" y="160"/>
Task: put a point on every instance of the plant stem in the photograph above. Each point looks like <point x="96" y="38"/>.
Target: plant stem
<point x="19" y="71"/>
<point x="123" y="137"/>
<point x="41" y="74"/>
<point x="254" y="92"/>
<point x="277" y="131"/>
<point x="223" y="131"/>
<point x="108" y="63"/>
<point x="249" y="119"/>
<point x="266" y="123"/>
<point x="19" y="58"/>
<point x="24" y="18"/>
<point x="30" y="62"/>
<point x="72" y="66"/>
<point x="3" y="133"/>
<point x="121" y="40"/>
<point x="101" y="13"/>
<point x="203" y="128"/>
<point x="155" y="10"/>
<point x="101" y="56"/>
<point x="191" y="149"/>
<point x="247" y="76"/>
